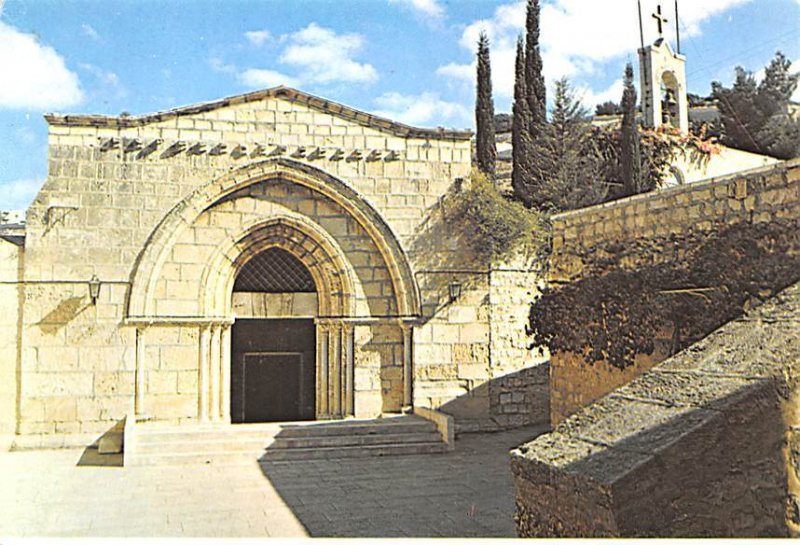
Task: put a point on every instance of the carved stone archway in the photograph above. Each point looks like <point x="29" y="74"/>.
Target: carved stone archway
<point x="335" y="282"/>
<point x="340" y="297"/>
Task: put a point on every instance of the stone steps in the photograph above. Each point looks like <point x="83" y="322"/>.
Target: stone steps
<point x="154" y="444"/>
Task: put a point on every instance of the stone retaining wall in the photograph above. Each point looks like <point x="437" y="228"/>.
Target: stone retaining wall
<point x="582" y="237"/>
<point x="761" y="195"/>
<point x="703" y="445"/>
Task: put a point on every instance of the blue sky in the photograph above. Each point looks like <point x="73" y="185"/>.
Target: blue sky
<point x="411" y="60"/>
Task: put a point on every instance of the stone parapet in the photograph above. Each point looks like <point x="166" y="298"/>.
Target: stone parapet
<point x="761" y="195"/>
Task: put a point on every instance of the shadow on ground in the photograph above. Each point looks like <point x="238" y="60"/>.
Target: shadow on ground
<point x="465" y="493"/>
<point x="91" y="457"/>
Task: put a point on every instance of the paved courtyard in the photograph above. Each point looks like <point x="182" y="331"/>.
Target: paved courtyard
<point x="465" y="493"/>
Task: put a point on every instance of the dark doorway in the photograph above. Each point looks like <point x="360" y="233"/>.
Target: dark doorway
<point x="273" y="370"/>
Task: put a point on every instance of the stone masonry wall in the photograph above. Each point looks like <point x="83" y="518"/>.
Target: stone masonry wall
<point x="472" y="358"/>
<point x="106" y="192"/>
<point x="10" y="255"/>
<point x="760" y="196"/>
<point x="703" y="445"/>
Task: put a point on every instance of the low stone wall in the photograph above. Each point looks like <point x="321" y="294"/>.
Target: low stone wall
<point x="583" y="238"/>
<point x="704" y="444"/>
<point x="761" y="195"/>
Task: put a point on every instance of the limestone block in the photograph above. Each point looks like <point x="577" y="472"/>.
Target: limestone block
<point x="472" y="353"/>
<point x="57" y="358"/>
<point x="58" y="384"/>
<point x="110" y="443"/>
<point x="61" y="410"/>
<point x="187" y="382"/>
<point x="162" y="382"/>
<point x="474" y="333"/>
<point x="173" y="406"/>
<point x="474" y="372"/>
<point x="33" y="428"/>
<point x="32" y="409"/>
<point x="366" y="379"/>
<point x="119" y="383"/>
<point x="437" y="371"/>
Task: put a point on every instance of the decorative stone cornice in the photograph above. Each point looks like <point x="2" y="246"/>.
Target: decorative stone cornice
<point x="286" y="93"/>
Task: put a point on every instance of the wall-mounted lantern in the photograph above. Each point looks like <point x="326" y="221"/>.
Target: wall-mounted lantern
<point x="455" y="290"/>
<point x="94" y="288"/>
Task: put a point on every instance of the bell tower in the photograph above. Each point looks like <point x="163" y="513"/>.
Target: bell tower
<point x="663" y="82"/>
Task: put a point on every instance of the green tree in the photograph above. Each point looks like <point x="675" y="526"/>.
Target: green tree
<point x="486" y="148"/>
<point x="608" y="107"/>
<point x="536" y="90"/>
<point x="755" y="115"/>
<point x="567" y="168"/>
<point x="630" y="152"/>
<point x="522" y="152"/>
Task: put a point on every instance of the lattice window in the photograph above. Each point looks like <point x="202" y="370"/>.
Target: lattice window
<point x="274" y="271"/>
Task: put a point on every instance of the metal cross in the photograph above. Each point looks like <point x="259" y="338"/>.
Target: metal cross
<point x="661" y="20"/>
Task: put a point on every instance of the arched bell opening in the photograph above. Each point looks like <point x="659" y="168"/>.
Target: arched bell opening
<point x="670" y="100"/>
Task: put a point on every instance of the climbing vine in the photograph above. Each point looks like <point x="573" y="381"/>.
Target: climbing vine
<point x="615" y="312"/>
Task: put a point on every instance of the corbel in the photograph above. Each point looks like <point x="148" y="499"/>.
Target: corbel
<point x="149" y="148"/>
<point x="174" y="149"/>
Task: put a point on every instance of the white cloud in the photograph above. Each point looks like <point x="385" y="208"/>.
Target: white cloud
<point x="18" y="193"/>
<point x="427" y="8"/>
<point x="423" y="109"/>
<point x="314" y="55"/>
<point x="258" y="37"/>
<point x="261" y="78"/>
<point x="576" y="36"/>
<point x="34" y="75"/>
<point x="326" y="57"/>
<point x="590" y="98"/>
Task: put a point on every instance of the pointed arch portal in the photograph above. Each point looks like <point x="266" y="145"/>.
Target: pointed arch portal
<point x="306" y="259"/>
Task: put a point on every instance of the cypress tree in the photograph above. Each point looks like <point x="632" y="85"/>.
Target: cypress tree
<point x="630" y="154"/>
<point x="521" y="140"/>
<point x="486" y="149"/>
<point x="536" y="91"/>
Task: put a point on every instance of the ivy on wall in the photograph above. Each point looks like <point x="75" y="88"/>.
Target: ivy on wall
<point x="629" y="294"/>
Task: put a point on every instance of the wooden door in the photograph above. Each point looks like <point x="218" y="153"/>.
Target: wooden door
<point x="273" y="370"/>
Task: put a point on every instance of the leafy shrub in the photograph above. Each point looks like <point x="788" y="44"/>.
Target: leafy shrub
<point x="494" y="226"/>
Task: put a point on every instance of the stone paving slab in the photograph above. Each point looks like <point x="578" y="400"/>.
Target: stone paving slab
<point x="465" y="493"/>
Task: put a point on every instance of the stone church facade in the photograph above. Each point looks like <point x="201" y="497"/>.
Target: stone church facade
<point x="172" y="261"/>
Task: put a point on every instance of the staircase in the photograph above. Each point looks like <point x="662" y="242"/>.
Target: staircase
<point x="158" y="444"/>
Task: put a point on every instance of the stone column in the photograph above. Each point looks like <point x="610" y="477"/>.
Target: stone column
<point x="215" y="364"/>
<point x="335" y="371"/>
<point x="408" y="371"/>
<point x="322" y="371"/>
<point x="348" y="341"/>
<point x="139" y="385"/>
<point x="203" y="368"/>
<point x="225" y="362"/>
